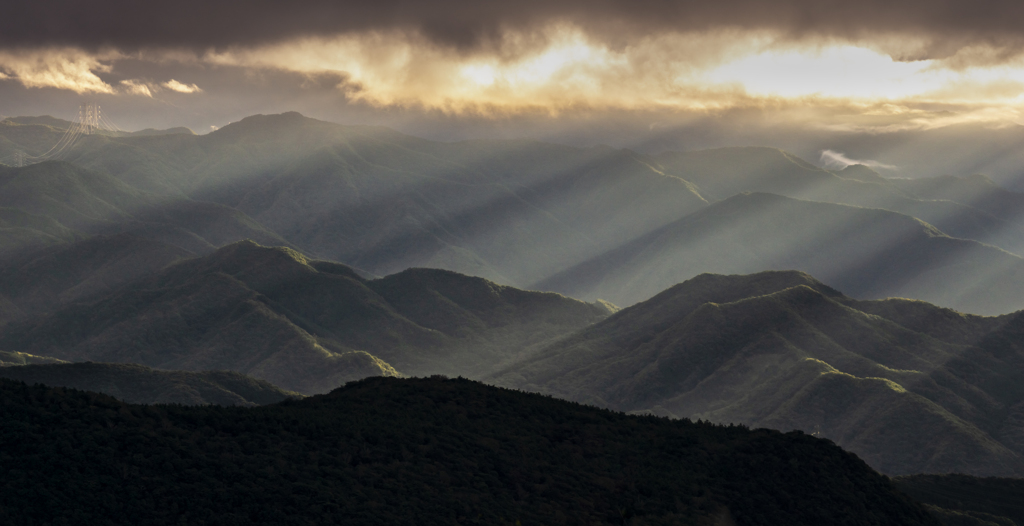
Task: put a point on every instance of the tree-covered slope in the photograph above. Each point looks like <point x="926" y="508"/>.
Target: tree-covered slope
<point x="908" y="386"/>
<point x="304" y="325"/>
<point x="867" y="253"/>
<point x="137" y="384"/>
<point x="428" y="451"/>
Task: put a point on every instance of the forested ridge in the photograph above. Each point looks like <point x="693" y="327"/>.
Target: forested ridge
<point x="415" y="451"/>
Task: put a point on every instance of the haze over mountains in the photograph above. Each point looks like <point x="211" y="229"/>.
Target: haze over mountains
<point x="527" y="214"/>
<point x="308" y="254"/>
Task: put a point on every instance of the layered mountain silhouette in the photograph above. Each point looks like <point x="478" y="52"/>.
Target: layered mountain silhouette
<point x="908" y="386"/>
<point x="398" y="256"/>
<point x="520" y="213"/>
<point x="963" y="213"/>
<point x="137" y="384"/>
<point x="423" y="451"/>
<point x="303" y="325"/>
<point x="869" y="253"/>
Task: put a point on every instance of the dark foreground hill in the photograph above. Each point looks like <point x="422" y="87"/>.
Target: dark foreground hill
<point x="968" y="501"/>
<point x="306" y="326"/>
<point x="426" y="451"/>
<point x="137" y="384"/>
<point x="908" y="386"/>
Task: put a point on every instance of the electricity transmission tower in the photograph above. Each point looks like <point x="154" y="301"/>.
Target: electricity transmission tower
<point x="89" y="116"/>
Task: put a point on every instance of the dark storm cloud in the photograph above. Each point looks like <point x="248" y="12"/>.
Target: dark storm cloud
<point x="200" y="24"/>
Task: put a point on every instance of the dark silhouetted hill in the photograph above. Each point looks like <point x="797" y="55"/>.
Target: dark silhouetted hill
<point x="137" y="384"/>
<point x="908" y="386"/>
<point x="423" y="451"/>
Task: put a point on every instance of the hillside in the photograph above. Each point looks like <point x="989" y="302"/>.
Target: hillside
<point x="961" y="497"/>
<point x="307" y="326"/>
<point x="723" y="172"/>
<point x="883" y="379"/>
<point x="82" y="270"/>
<point x="136" y="384"/>
<point x="977" y="191"/>
<point x="428" y="451"/>
<point x="867" y="253"/>
<point x="64" y="201"/>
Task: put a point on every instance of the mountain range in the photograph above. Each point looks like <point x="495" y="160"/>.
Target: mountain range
<point x="872" y="253"/>
<point x="304" y="325"/>
<point x="884" y="379"/>
<point x="305" y="255"/>
<point x="580" y="221"/>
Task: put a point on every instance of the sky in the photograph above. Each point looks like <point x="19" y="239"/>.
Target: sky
<point x="813" y="76"/>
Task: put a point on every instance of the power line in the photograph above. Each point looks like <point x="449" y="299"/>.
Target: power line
<point x="90" y="119"/>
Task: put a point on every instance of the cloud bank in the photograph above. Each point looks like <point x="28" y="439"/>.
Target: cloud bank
<point x="908" y="29"/>
<point x="870" y="66"/>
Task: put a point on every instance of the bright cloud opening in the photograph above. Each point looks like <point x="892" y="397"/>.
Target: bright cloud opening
<point x="560" y="68"/>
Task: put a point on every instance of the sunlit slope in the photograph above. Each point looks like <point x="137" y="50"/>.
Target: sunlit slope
<point x="66" y="202"/>
<point x="307" y="326"/>
<point x="137" y="384"/>
<point x="511" y="211"/>
<point x="908" y="386"/>
<point x="419" y="451"/>
<point x="19" y="358"/>
<point x="867" y="253"/>
<point x="721" y="173"/>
